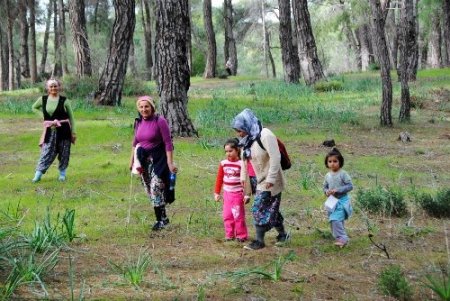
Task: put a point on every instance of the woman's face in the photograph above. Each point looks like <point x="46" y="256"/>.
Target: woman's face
<point x="53" y="89"/>
<point x="241" y="133"/>
<point x="145" y="109"/>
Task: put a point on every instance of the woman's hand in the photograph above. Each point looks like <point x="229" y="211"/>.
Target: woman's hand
<point x="172" y="167"/>
<point x="269" y="185"/>
<point x="74" y="138"/>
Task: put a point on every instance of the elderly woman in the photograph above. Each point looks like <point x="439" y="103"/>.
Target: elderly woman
<point x="153" y="148"/>
<point x="269" y="175"/>
<point x="59" y="130"/>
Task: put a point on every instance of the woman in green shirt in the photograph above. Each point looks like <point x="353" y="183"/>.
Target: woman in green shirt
<point x="59" y="130"/>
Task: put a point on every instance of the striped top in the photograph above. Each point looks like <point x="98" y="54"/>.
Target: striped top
<point x="229" y="176"/>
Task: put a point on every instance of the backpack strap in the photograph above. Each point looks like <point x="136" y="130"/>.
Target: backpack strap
<point x="260" y="143"/>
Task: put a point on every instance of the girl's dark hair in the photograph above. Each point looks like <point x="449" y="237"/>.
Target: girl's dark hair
<point x="233" y="143"/>
<point x="334" y="152"/>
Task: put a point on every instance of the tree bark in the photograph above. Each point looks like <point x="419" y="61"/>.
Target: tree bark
<point x="113" y="75"/>
<point x="307" y="51"/>
<point x="435" y="58"/>
<point x="24" y="52"/>
<point x="229" y="50"/>
<point x="62" y="36"/>
<point x="172" y="63"/>
<point x="379" y="36"/>
<point x="132" y="61"/>
<point x="289" y="54"/>
<point x="57" y="67"/>
<point x="189" y="39"/>
<point x="211" y="56"/>
<point x="11" y="16"/>
<point x="147" y="25"/>
<point x="33" y="58"/>
<point x="407" y="41"/>
<point x="3" y="62"/>
<point x="80" y="38"/>
<point x="392" y="29"/>
<point x="446" y="29"/>
<point x="46" y="37"/>
<point x="270" y="56"/>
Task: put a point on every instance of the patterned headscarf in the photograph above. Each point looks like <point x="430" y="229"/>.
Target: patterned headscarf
<point x="247" y="122"/>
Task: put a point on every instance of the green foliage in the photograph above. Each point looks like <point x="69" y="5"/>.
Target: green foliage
<point x="382" y="200"/>
<point x="327" y="86"/>
<point x="392" y="282"/>
<point x="134" y="87"/>
<point x="440" y="286"/>
<point x="437" y="205"/>
<point x="69" y="224"/>
<point x="374" y="66"/>
<point x="78" y="88"/>
<point x="133" y="270"/>
<point x="275" y="275"/>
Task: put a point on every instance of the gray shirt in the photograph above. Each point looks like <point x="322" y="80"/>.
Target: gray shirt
<point x="340" y="181"/>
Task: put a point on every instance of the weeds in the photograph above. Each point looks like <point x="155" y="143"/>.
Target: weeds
<point x="275" y="275"/>
<point x="69" y="224"/>
<point x="133" y="270"/>
<point x="441" y="286"/>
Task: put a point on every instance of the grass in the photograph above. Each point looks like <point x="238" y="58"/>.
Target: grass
<point x="113" y="215"/>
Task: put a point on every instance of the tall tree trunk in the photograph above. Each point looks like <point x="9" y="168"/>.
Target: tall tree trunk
<point x="62" y="35"/>
<point x="132" y="61"/>
<point x="229" y="50"/>
<point x="446" y="29"/>
<point x="113" y="75"/>
<point x="171" y="56"/>
<point x="407" y="48"/>
<point x="189" y="40"/>
<point x="363" y="41"/>
<point x="46" y="37"/>
<point x="80" y="38"/>
<point x="435" y="41"/>
<point x="33" y="58"/>
<point x="307" y="50"/>
<point x="379" y="36"/>
<point x="95" y="21"/>
<point x="392" y="29"/>
<point x="270" y="56"/>
<point x="3" y="62"/>
<point x="147" y="25"/>
<point x="12" y="13"/>
<point x="57" y="67"/>
<point x="211" y="56"/>
<point x="423" y="49"/>
<point x="413" y="61"/>
<point x="265" y="43"/>
<point x="24" y="53"/>
<point x="289" y="54"/>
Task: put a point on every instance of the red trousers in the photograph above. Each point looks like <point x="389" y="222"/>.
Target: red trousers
<point x="234" y="215"/>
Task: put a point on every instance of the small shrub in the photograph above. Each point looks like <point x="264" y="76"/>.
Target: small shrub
<point x="78" y="88"/>
<point x="374" y="66"/>
<point x="133" y="271"/>
<point x="437" y="206"/>
<point x="382" y="200"/>
<point x="392" y="282"/>
<point x="133" y="87"/>
<point x="327" y="86"/>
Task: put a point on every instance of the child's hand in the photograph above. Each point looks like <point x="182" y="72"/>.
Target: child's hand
<point x="217" y="197"/>
<point x="246" y="199"/>
<point x="331" y="192"/>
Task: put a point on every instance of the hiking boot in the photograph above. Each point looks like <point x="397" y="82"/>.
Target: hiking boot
<point x="160" y="225"/>
<point x="255" y="245"/>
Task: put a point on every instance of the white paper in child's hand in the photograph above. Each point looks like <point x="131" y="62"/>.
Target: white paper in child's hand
<point x="331" y="203"/>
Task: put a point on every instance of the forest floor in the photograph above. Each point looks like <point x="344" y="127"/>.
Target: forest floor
<point x="190" y="260"/>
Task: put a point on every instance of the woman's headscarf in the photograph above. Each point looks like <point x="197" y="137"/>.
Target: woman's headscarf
<point x="150" y="101"/>
<point x="247" y="121"/>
